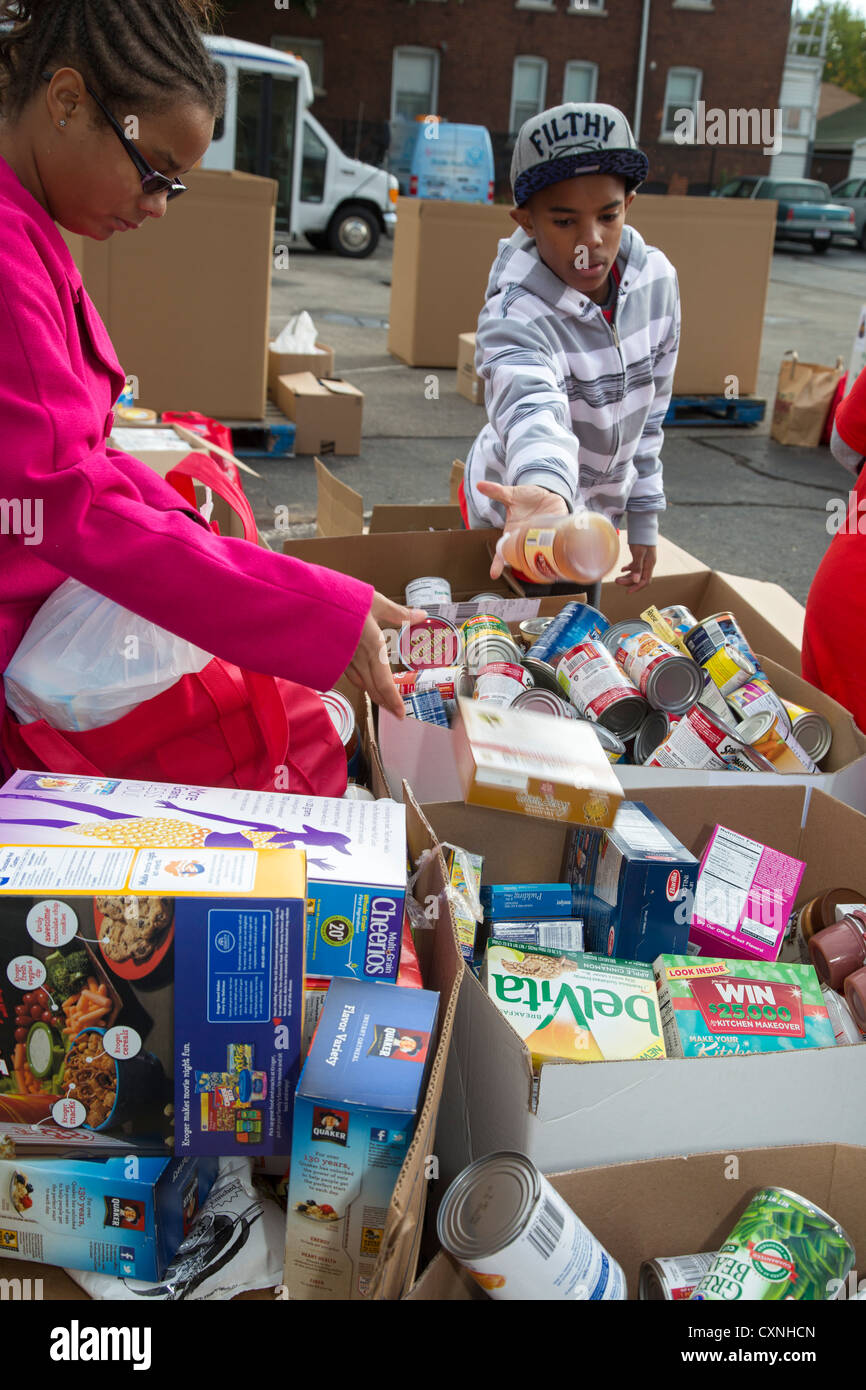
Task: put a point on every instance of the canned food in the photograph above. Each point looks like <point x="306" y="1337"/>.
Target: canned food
<point x="487" y="639"/>
<point x="611" y="638"/>
<point x="768" y="737"/>
<point x="431" y="589"/>
<point x="575" y="623"/>
<point x="713" y="700"/>
<point x="680" y="618"/>
<point x="600" y="690"/>
<point x="657" y="726"/>
<point x="429" y="707"/>
<point x="845" y="1027"/>
<point x="855" y="998"/>
<point x="756" y="696"/>
<point x="700" y="741"/>
<point x="510" y="1229"/>
<point x="343" y="720"/>
<point x="711" y="633"/>
<point x="355" y="793"/>
<point x="450" y="681"/>
<point x="610" y="742"/>
<point x="500" y="683"/>
<point x="674" y="1277"/>
<point x="783" y="1247"/>
<point x="666" y="679"/>
<point x="663" y="630"/>
<point x="528" y="632"/>
<point x="813" y="916"/>
<point x="544" y="675"/>
<point x="490" y="598"/>
<point x="430" y="642"/>
<point x="812" y="730"/>
<point x="728" y="668"/>
<point x="542" y="702"/>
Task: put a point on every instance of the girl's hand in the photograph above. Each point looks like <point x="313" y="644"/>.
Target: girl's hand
<point x="523" y="504"/>
<point x="370" y="668"/>
<point x="639" y="573"/>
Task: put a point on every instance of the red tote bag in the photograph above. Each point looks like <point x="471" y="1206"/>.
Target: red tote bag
<point x="223" y="727"/>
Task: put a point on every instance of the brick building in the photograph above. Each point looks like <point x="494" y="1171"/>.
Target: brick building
<point x="496" y="62"/>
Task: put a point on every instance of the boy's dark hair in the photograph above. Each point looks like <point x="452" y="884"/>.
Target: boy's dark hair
<point x="144" y="54"/>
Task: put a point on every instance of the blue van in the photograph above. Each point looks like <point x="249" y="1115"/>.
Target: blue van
<point x="432" y="158"/>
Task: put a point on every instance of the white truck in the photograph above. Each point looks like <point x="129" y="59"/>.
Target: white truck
<point x="337" y="203"/>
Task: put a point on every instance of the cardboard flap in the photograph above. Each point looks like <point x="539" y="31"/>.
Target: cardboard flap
<point x="832" y="844"/>
<point x="426" y="518"/>
<point x="339" y="510"/>
<point x="421" y="754"/>
<point x="338" y="387"/>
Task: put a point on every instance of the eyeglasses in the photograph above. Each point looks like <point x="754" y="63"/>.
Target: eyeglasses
<point x="151" y="181"/>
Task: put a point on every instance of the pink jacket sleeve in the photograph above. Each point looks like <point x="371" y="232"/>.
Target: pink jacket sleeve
<point x="113" y="524"/>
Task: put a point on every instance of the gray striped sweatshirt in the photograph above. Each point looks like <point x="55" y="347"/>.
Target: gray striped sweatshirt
<point x="574" y="404"/>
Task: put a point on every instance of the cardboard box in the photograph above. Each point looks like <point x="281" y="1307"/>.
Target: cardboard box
<point x="672" y="1206"/>
<point x="443" y="254"/>
<point x="183" y="1054"/>
<point x="327" y="413"/>
<point x="616" y="1111"/>
<point x="320" y="363"/>
<point x="355" y="849"/>
<point x="194" y="337"/>
<point x="100" y="1216"/>
<point x="341" y="512"/>
<point x="469" y="383"/>
<point x="522" y="762"/>
<point x="440" y="960"/>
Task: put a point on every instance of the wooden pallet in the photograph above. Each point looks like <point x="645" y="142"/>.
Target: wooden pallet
<point x="714" y="410"/>
<point x="272" y="437"/>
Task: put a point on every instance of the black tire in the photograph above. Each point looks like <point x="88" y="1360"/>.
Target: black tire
<point x="318" y="240"/>
<point x="354" y="232"/>
<point x="820" y="247"/>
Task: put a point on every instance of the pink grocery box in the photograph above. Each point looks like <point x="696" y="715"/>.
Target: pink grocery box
<point x="744" y="898"/>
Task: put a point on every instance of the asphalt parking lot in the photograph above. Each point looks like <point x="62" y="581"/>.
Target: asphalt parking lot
<point x="736" y="499"/>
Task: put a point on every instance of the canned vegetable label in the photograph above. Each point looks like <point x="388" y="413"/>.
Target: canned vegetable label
<point x="782" y="1247"/>
<point x="592" y="679"/>
<point x="430" y="589"/>
<point x="501" y="682"/>
<point x="432" y="642"/>
<point x="576" y="622"/>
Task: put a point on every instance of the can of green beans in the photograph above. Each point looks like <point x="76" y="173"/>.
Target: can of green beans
<point x="783" y="1247"/>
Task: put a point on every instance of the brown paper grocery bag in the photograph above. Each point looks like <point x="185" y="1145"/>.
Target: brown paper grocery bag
<point x="803" y="398"/>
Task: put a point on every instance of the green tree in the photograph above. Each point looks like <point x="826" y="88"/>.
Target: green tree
<point x="845" y="62"/>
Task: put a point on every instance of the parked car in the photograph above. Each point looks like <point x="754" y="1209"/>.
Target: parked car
<point x="852" y="194"/>
<point x="433" y="158"/>
<point x="805" y="212"/>
<point x="337" y="203"/>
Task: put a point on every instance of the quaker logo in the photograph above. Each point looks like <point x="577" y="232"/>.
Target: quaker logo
<point x="124" y="1214"/>
<point x="330" y="1126"/>
<point x="398" y="1044"/>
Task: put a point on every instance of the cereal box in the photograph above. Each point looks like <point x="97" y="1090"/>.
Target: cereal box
<point x="355" y="850"/>
<point x="744" y="898"/>
<point x="120" y="1216"/>
<point x="728" y="1008"/>
<point x="150" y="1001"/>
<point x="355" y="1111"/>
<point x="634" y="885"/>
<point x="569" y="1007"/>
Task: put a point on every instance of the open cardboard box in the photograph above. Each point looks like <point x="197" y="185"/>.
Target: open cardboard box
<point x="424" y="755"/>
<point x="340" y="512"/>
<point x="441" y="967"/>
<point x="327" y="411"/>
<point x="672" y="1206"/>
<point x="320" y="363"/>
<point x="610" y="1112"/>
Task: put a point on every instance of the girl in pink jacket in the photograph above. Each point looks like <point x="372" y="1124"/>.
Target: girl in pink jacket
<point x="69" y="504"/>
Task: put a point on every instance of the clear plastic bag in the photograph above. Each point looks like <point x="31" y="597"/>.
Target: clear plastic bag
<point x="85" y="662"/>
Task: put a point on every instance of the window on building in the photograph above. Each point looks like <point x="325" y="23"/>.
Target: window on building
<point x="578" y="6"/>
<point x="313" y="53"/>
<point x="682" y="92"/>
<point x="796" y="120"/>
<point x="581" y="82"/>
<point x="528" y="90"/>
<point x="414" y="83"/>
<point x="536" y="4"/>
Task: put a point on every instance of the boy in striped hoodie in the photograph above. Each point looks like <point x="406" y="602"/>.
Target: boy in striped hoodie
<point x="577" y="341"/>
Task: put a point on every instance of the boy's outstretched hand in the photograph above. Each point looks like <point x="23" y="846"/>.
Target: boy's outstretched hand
<point x="523" y="504"/>
<point x="638" y="573"/>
